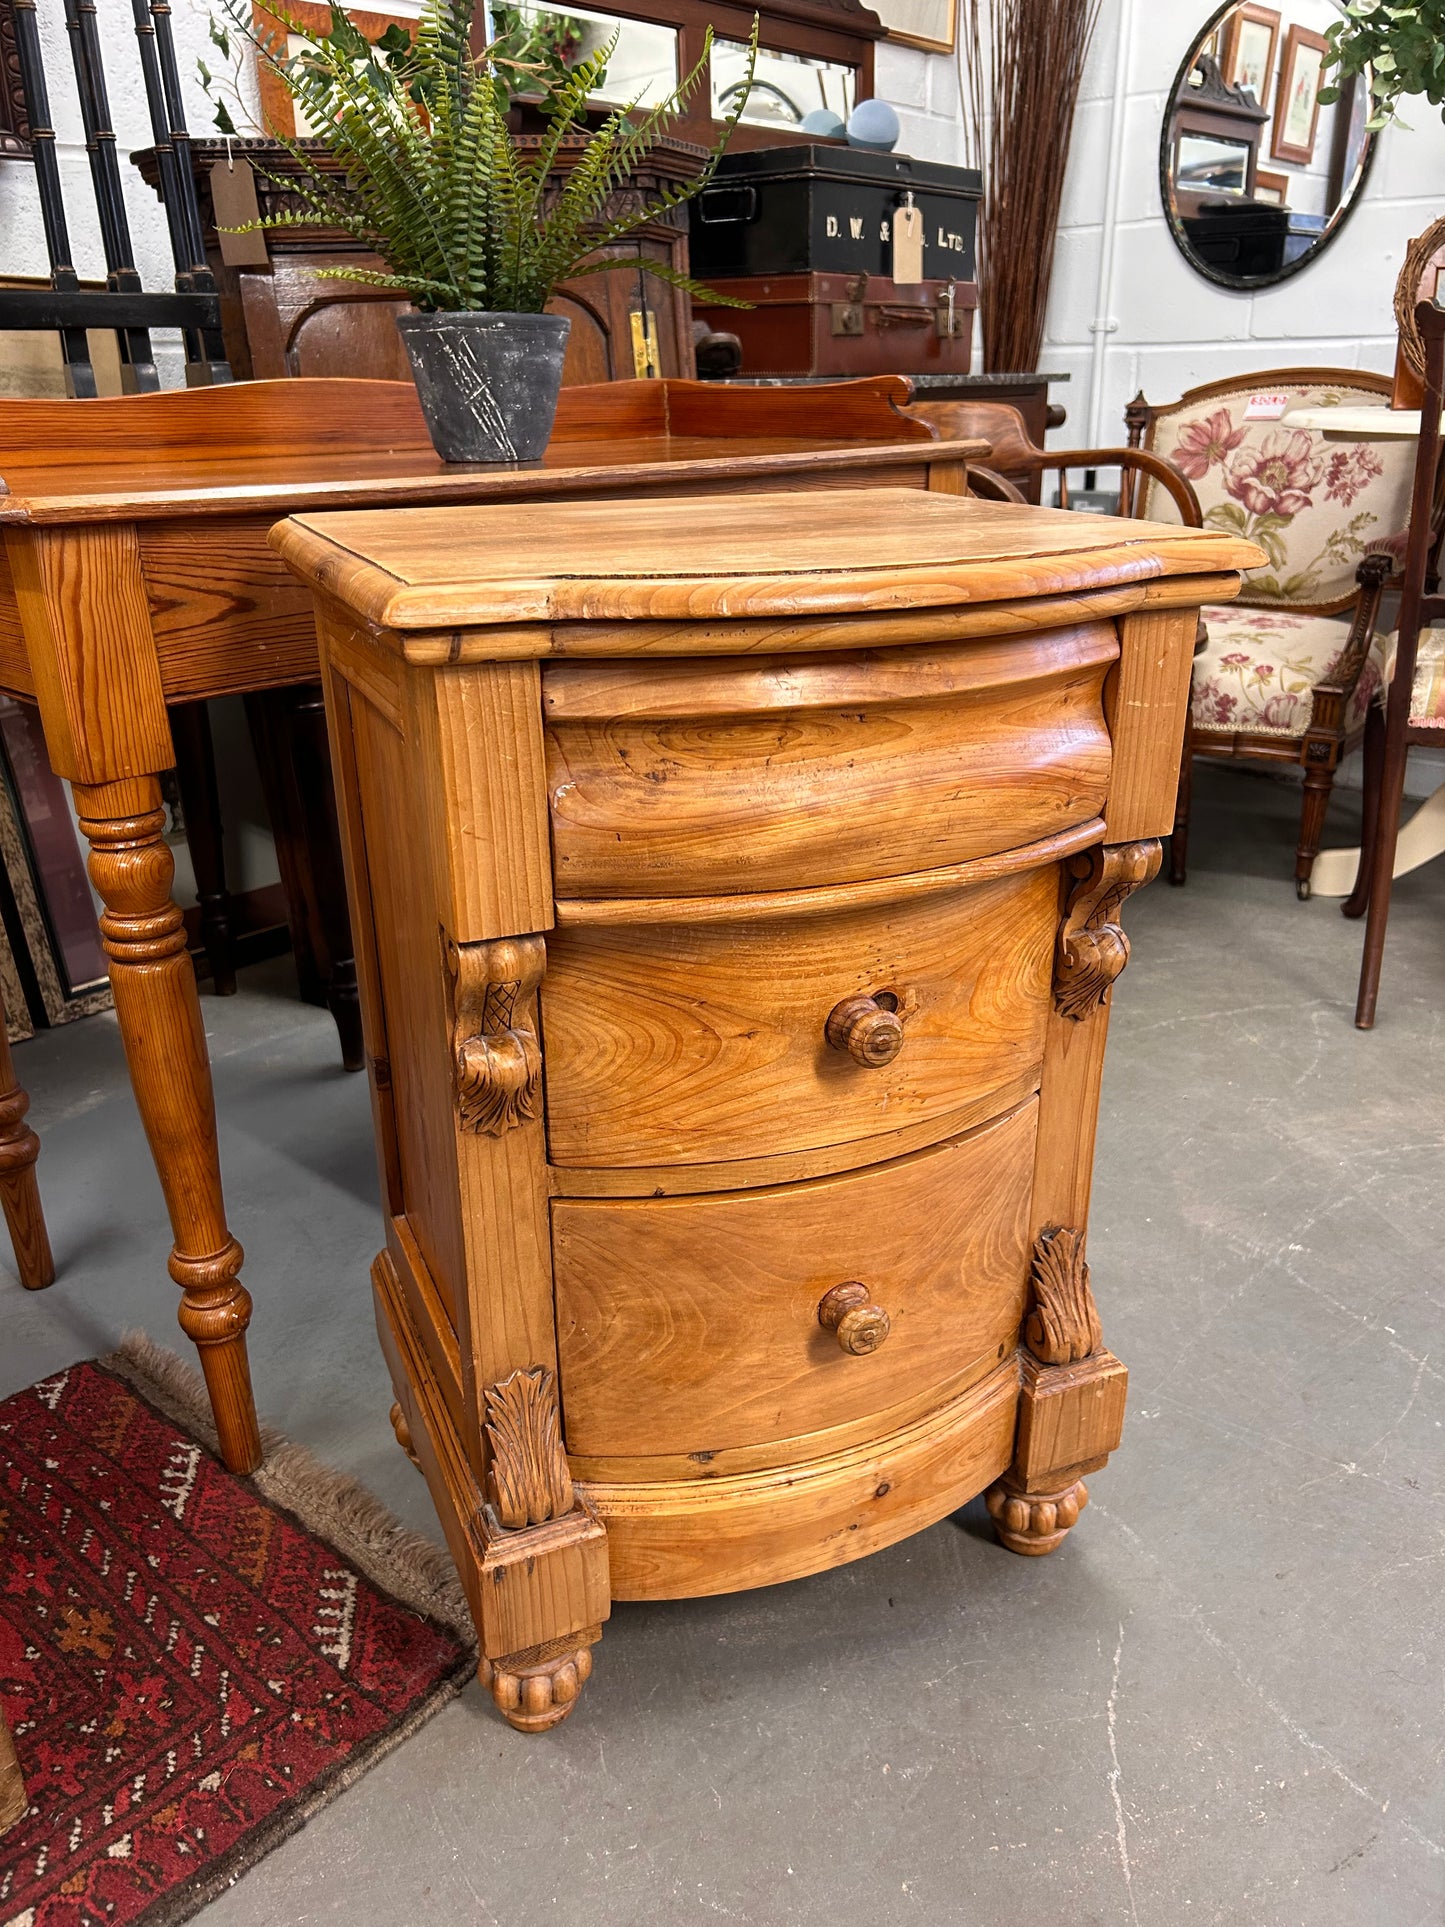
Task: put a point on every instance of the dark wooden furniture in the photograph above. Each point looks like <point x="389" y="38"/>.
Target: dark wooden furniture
<point x="281" y="317"/>
<point x="1229" y="118"/>
<point x="1026" y="395"/>
<point x="1014" y="458"/>
<point x="836" y="32"/>
<point x="19" y="1193"/>
<point x="737" y="907"/>
<point x="136" y="575"/>
<point x="1411" y="715"/>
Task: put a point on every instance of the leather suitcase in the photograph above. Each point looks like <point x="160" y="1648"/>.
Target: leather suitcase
<point x="847" y="324"/>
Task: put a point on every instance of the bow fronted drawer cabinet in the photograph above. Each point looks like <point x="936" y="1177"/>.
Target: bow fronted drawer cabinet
<point x="737" y="894"/>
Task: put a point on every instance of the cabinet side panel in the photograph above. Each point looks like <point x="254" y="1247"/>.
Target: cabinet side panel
<point x="412" y="988"/>
<point x="1145" y="701"/>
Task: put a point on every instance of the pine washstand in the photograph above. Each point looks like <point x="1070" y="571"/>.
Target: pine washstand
<point x="737" y="891"/>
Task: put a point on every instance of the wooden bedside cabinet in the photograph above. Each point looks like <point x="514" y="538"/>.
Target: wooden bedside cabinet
<point x="737" y="890"/>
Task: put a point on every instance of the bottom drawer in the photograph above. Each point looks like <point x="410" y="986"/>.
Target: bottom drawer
<point x="690" y="1325"/>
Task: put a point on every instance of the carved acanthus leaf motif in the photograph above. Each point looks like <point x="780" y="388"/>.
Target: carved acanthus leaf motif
<point x="528" y="1481"/>
<point x="498" y="1059"/>
<point x="1092" y="948"/>
<point x="1063" y="1326"/>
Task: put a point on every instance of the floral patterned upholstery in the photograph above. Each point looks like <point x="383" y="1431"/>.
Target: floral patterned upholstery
<point x="1258" y="670"/>
<point x="1311" y="503"/>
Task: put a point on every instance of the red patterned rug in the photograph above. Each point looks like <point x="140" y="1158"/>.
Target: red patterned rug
<point x="190" y="1663"/>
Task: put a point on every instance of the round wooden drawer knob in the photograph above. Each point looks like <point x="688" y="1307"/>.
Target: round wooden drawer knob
<point x="860" y="1327"/>
<point x="871" y="1034"/>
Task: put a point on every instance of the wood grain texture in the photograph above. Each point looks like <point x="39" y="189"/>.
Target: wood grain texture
<point x="1146" y="701"/>
<point x="1092" y="948"/>
<point x="1074" y="1050"/>
<point x="697" y="1043"/>
<point x="1071" y="1417"/>
<point x="790" y="1167"/>
<point x="486" y="724"/>
<point x="259" y="445"/>
<point x="823" y="899"/>
<point x="677" y="1541"/>
<point x="527" y="1478"/>
<point x="818" y="1064"/>
<point x="534" y="1594"/>
<point x="82" y="603"/>
<point x="226" y="612"/>
<point x="691" y="1326"/>
<point x="475" y="1204"/>
<point x="15" y="672"/>
<point x="865" y="549"/>
<point x="408" y="1002"/>
<point x="827" y="630"/>
<point x="832" y="770"/>
<point x="19" y="1192"/>
<point x="159" y="1015"/>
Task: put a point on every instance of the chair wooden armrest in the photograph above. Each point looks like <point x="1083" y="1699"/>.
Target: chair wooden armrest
<point x="1014" y="452"/>
<point x="1331" y="697"/>
<point x="989" y="486"/>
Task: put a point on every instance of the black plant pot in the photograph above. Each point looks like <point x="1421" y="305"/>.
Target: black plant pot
<point x="488" y="382"/>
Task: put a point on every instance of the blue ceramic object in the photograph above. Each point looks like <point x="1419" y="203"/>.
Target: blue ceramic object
<point x="873" y="124"/>
<point x="824" y="123"/>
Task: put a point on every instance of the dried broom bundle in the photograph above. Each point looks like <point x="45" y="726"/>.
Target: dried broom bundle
<point x="1023" y="62"/>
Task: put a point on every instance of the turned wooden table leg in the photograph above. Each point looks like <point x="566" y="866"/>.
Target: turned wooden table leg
<point x="19" y="1193"/>
<point x="165" y="1043"/>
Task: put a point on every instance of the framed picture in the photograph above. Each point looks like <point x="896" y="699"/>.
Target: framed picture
<point x="1273" y="188"/>
<point x="1297" y="101"/>
<point x="1251" y="40"/>
<point x="930" y="24"/>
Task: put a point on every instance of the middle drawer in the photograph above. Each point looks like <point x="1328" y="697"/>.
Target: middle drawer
<point x="693" y="1041"/>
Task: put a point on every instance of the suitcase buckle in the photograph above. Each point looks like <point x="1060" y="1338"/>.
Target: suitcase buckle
<point x="847" y="316"/>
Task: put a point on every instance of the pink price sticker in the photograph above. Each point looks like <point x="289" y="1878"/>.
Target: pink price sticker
<point x="1265" y="408"/>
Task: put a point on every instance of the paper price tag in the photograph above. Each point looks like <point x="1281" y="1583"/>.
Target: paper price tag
<point x="1265" y="407"/>
<point x="233" y="199"/>
<point x="908" y="243"/>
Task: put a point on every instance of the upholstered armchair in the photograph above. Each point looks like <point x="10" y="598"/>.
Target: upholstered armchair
<point x="1288" y="671"/>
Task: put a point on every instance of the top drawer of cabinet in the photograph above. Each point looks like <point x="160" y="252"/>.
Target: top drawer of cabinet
<point x="698" y="776"/>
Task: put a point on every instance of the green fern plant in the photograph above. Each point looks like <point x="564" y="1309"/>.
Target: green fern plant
<point x="428" y="174"/>
<point x="1401" y="46"/>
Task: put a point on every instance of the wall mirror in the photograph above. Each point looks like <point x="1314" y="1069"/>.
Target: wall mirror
<point x="1257" y="174"/>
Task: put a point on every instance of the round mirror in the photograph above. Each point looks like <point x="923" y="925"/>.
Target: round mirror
<point x="1258" y="174"/>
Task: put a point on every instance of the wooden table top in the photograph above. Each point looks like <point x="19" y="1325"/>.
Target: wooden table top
<point x="772" y="555"/>
<point x="284" y="446"/>
<point x="376" y="478"/>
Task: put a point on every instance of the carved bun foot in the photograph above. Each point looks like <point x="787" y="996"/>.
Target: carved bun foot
<point x="1034" y="1522"/>
<point x="403" y="1434"/>
<point x="540" y="1694"/>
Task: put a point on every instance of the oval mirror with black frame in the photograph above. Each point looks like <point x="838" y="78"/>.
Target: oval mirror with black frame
<point x="1257" y="174"/>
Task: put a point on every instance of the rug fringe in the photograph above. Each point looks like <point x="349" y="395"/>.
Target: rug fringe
<point x="333" y="1505"/>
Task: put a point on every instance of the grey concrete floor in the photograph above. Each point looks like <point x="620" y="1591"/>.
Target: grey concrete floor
<point x="1220" y="1701"/>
